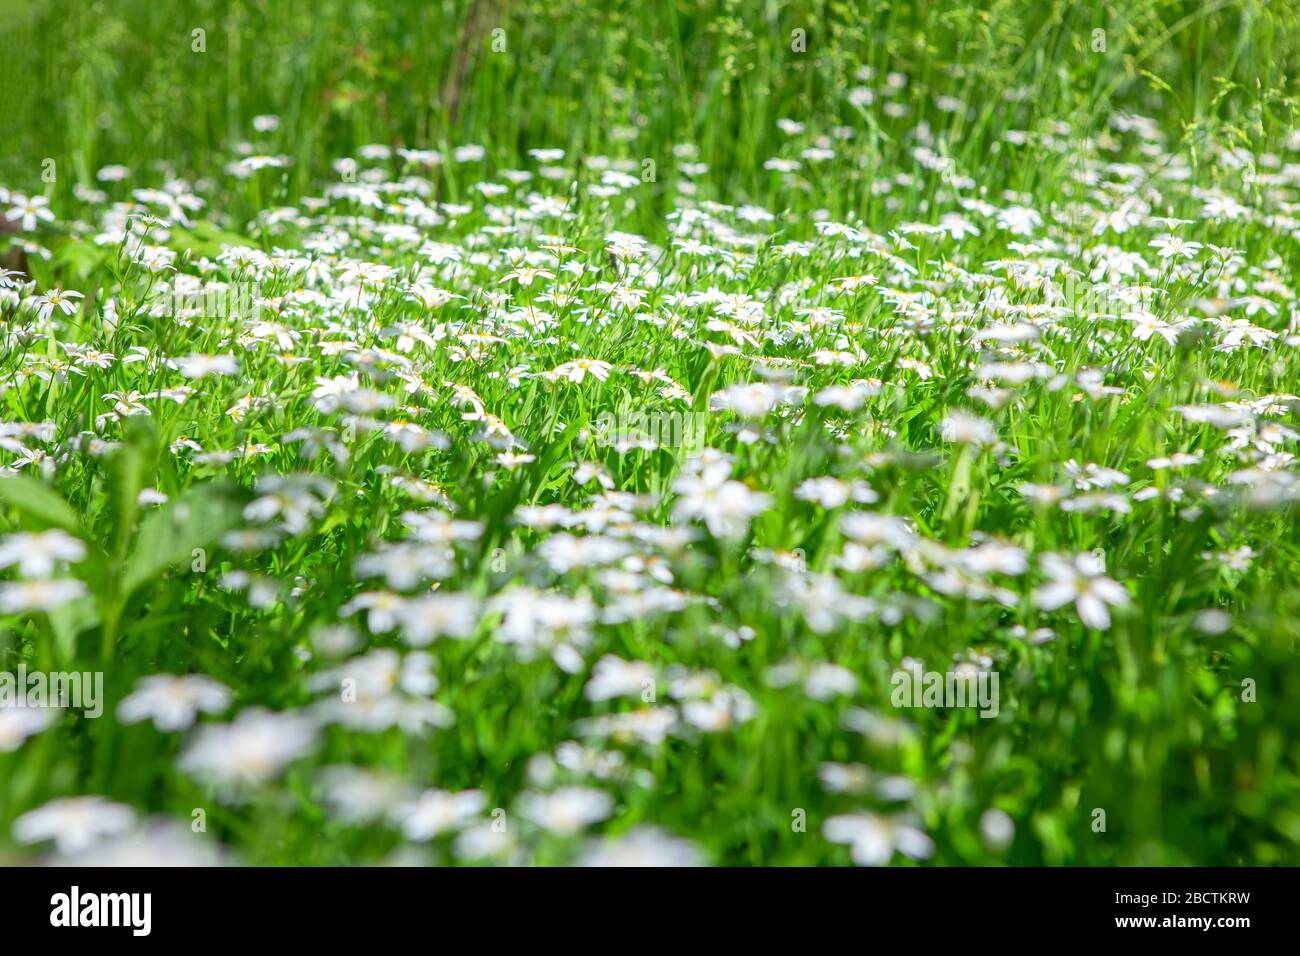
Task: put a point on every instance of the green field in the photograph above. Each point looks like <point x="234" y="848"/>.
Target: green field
<point x="519" y="433"/>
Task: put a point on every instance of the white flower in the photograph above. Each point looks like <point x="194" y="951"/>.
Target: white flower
<point x="1174" y="246"/>
<point x="843" y="777"/>
<point x="437" y="811"/>
<point x="356" y="795"/>
<point x="251" y="749"/>
<point x="997" y="829"/>
<point x="75" y="824"/>
<point x="404" y="565"/>
<point x="567" y="810"/>
<point x="1092" y="475"/>
<point x="726" y="708"/>
<point x="825" y="681"/>
<point x="526" y="275"/>
<point x="329" y="392"/>
<point x="871" y="528"/>
<point x="173" y="703"/>
<point x="564" y="552"/>
<point x="994" y="556"/>
<point x="484" y="840"/>
<point x="828" y="492"/>
<point x="375" y="675"/>
<point x="384" y="609"/>
<point x="536" y="623"/>
<point x="848" y="397"/>
<point x="578" y="369"/>
<point x="19" y="723"/>
<point x="29" y="211"/>
<point x="296" y="499"/>
<point x="201" y="366"/>
<point x="37" y="552"/>
<point x="614" y="677"/>
<point x="440" y="614"/>
<point x="510" y="460"/>
<point x="1080" y="580"/>
<point x="150" y="496"/>
<point x="65" y="302"/>
<point x="962" y="428"/>
<point x="17" y="597"/>
<point x="159" y="844"/>
<point x="874" y="839"/>
<point x="756" y="399"/>
<point x="643" y="846"/>
<point x="724" y="505"/>
<point x="823" y="600"/>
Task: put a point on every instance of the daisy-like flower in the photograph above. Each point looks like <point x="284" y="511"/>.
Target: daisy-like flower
<point x="17" y="597"/>
<point x="828" y="492"/>
<point x="486" y="840"/>
<point x="997" y="829"/>
<point x="64" y="301"/>
<point x="821" y="681"/>
<point x="722" y="503"/>
<point x="756" y="399"/>
<point x="296" y="499"/>
<point x="383" y="609"/>
<point x="873" y="839"/>
<point x="1170" y="247"/>
<point x="614" y="677"/>
<point x="441" y="614"/>
<point x="75" y="824"/>
<point x="251" y="749"/>
<point x="356" y="795"/>
<point x="37" y="552"/>
<point x="411" y="437"/>
<point x="510" y="460"/>
<point x="28" y="212"/>
<point x="160" y="843"/>
<point x="19" y="723"/>
<point x="847" y="397"/>
<point x="1080" y="580"/>
<point x="568" y="810"/>
<point x="404" y="565"/>
<point x="173" y="703"/>
<point x="578" y="369"/>
<point x="537" y="623"/>
<point x="643" y="846"/>
<point x="963" y="428"/>
<point x="526" y="275"/>
<point x="436" y="811"/>
<point x="723" y="710"/>
<point x="201" y="366"/>
<point x="1146" y="325"/>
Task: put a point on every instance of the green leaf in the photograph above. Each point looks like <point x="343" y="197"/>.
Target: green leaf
<point x="39" y="501"/>
<point x="80" y="260"/>
<point x="169" y="535"/>
<point x="205" y="239"/>
<point x="131" y="463"/>
<point x="68" y="621"/>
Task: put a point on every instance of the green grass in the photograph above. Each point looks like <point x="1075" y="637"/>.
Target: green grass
<point x="1057" y="147"/>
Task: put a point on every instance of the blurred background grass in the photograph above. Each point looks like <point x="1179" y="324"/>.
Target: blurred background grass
<point x="94" y="83"/>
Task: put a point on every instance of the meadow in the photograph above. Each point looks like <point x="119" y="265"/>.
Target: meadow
<point x="699" y="432"/>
